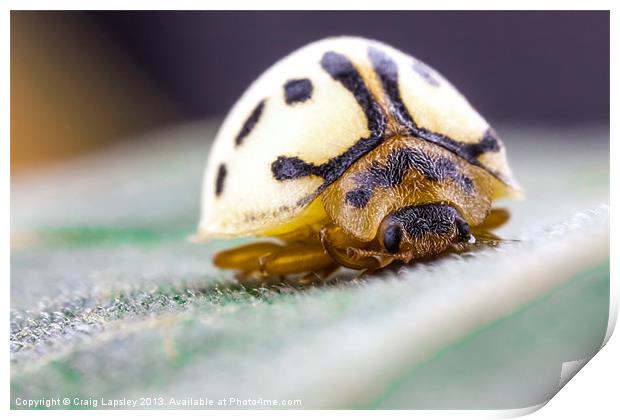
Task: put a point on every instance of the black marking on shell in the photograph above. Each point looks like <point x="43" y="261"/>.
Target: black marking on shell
<point x="387" y="71"/>
<point x="392" y="173"/>
<point x="297" y="90"/>
<point x="284" y="168"/>
<point x="424" y="72"/>
<point x="250" y="123"/>
<point x="343" y="71"/>
<point x="220" y="178"/>
<point x="488" y="143"/>
<point x="249" y="217"/>
<point x="418" y="221"/>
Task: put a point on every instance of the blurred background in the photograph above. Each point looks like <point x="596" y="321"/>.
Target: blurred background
<point x="82" y="80"/>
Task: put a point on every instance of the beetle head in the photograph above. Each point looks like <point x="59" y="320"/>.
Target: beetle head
<point x="419" y="231"/>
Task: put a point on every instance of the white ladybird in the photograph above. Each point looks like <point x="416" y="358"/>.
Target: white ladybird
<point x="350" y="152"/>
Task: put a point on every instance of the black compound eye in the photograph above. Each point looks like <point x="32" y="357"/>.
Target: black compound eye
<point x="463" y="229"/>
<point x="391" y="238"/>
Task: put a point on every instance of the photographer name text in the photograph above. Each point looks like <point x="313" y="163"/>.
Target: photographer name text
<point x="142" y="402"/>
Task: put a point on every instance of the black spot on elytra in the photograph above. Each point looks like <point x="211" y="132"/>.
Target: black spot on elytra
<point x="219" y="179"/>
<point x="418" y="221"/>
<point x="387" y="71"/>
<point x="392" y="173"/>
<point x="425" y="73"/>
<point x="284" y="168"/>
<point x="250" y="123"/>
<point x="488" y="143"/>
<point x="297" y="90"/>
<point x="343" y="71"/>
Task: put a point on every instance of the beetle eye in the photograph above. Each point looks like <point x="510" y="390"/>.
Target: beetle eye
<point x="391" y="238"/>
<point x="463" y="230"/>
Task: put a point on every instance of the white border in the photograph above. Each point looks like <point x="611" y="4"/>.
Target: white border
<point x="593" y="393"/>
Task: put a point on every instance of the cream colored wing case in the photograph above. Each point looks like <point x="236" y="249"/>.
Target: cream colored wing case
<point x="304" y="121"/>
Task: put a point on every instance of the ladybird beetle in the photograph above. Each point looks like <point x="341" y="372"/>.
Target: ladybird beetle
<point x="350" y="153"/>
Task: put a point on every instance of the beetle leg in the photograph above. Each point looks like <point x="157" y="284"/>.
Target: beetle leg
<point x="301" y="258"/>
<point x="267" y="259"/>
<point x="352" y="256"/>
<point x="244" y="258"/>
